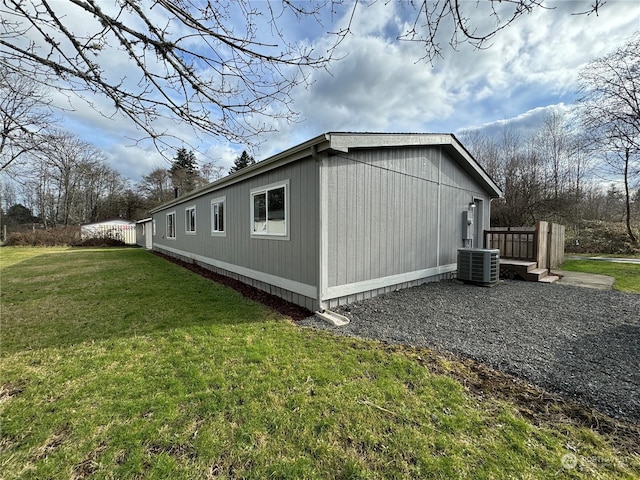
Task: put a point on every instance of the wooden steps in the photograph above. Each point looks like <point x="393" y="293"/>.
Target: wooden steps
<point x="525" y="270"/>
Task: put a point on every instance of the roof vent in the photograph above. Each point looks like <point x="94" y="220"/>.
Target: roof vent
<point x="479" y="266"/>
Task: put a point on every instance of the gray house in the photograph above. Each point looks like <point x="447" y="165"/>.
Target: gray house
<point x="341" y="217"/>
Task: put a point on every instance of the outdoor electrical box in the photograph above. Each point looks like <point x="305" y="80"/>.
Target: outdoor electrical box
<point x="467" y="227"/>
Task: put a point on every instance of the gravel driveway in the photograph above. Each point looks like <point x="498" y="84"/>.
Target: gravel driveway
<point x="581" y="343"/>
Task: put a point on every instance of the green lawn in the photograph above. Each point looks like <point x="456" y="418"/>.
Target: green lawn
<point x="118" y="364"/>
<point x="627" y="275"/>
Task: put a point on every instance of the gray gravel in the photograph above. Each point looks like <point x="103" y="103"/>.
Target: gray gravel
<point x="581" y="343"/>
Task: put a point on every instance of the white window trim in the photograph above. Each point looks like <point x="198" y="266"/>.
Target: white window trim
<point x="223" y="232"/>
<point x="186" y="220"/>
<point x="265" y="189"/>
<point x="166" y="227"/>
<point x="153" y="227"/>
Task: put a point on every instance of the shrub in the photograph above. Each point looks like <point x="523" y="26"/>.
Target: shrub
<point x="595" y="236"/>
<point x="57" y="237"/>
<point x="52" y="237"/>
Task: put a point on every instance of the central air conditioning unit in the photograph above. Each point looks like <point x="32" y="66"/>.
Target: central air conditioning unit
<point x="479" y="265"/>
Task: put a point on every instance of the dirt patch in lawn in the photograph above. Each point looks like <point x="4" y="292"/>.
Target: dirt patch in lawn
<point x="54" y="442"/>
<point x="277" y="304"/>
<point x="10" y="390"/>
<point x="90" y="464"/>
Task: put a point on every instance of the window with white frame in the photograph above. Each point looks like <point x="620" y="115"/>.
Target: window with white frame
<point x="218" y="217"/>
<point x="269" y="210"/>
<point x="171" y="225"/>
<point x="190" y="220"/>
<point x="153" y="227"/>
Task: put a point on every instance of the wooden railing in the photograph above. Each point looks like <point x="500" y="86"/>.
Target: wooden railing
<point x="515" y="243"/>
<point x="543" y="244"/>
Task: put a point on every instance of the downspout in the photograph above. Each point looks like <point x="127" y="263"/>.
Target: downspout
<point x="322" y="226"/>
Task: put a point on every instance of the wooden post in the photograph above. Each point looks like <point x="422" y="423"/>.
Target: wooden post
<point x="542" y="231"/>
<point x="550" y="246"/>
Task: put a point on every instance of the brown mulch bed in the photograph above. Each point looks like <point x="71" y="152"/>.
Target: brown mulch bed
<point x="295" y="312"/>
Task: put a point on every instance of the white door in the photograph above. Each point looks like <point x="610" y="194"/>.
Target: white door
<point x="148" y="239"/>
<point x="478" y="224"/>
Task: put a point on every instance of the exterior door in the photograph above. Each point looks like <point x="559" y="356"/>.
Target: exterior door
<point x="478" y="223"/>
<point x="148" y="239"/>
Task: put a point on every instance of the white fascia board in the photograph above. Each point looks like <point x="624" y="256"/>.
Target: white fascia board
<point x="342" y="142"/>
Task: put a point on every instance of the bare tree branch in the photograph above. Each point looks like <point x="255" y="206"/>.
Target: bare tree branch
<point x="461" y="21"/>
<point x="201" y="62"/>
<point x="26" y="115"/>
<point x="226" y="68"/>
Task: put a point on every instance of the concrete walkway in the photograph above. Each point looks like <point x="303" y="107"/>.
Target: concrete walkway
<point x="581" y="279"/>
<point x="604" y="259"/>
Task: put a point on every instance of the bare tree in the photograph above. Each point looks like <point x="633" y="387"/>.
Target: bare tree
<point x="224" y="67"/>
<point x="156" y="186"/>
<point x="610" y="112"/>
<point x="542" y="174"/>
<point x="211" y="171"/>
<point x="26" y="114"/>
<point x="71" y="180"/>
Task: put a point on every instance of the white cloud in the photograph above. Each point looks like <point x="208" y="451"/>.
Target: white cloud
<point x="525" y="122"/>
<point x="529" y="68"/>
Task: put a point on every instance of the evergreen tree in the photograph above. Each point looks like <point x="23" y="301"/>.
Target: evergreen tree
<point x="184" y="171"/>
<point x="241" y="162"/>
<point x="19" y="215"/>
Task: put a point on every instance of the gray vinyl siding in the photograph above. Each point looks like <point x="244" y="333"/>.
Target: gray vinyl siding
<point x="383" y="212"/>
<point x="386" y="213"/>
<point x="294" y="259"/>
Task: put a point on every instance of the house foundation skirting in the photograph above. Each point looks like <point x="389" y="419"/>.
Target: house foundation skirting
<point x="356" y="297"/>
<point x="290" y="296"/>
<point x="340" y="295"/>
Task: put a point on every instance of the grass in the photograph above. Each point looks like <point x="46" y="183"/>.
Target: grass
<point x="627" y="275"/>
<point x="118" y="364"/>
<point x="608" y="255"/>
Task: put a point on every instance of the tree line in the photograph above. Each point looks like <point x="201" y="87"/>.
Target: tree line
<point x="66" y="181"/>
<point x="549" y="174"/>
<point x="556" y="173"/>
<point x="584" y="165"/>
<point x="52" y="177"/>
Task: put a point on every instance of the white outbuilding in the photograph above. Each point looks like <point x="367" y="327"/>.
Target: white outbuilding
<point x="118" y="229"/>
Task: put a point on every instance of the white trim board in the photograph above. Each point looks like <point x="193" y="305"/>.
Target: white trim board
<point x="296" y="287"/>
<point x="375" y="283"/>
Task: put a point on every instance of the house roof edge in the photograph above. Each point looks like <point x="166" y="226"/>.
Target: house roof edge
<point x="287" y="156"/>
<point x="343" y="142"/>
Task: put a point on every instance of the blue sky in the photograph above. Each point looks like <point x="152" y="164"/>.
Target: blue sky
<point x="380" y="84"/>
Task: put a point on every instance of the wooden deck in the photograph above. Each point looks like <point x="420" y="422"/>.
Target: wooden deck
<point x="525" y="270"/>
